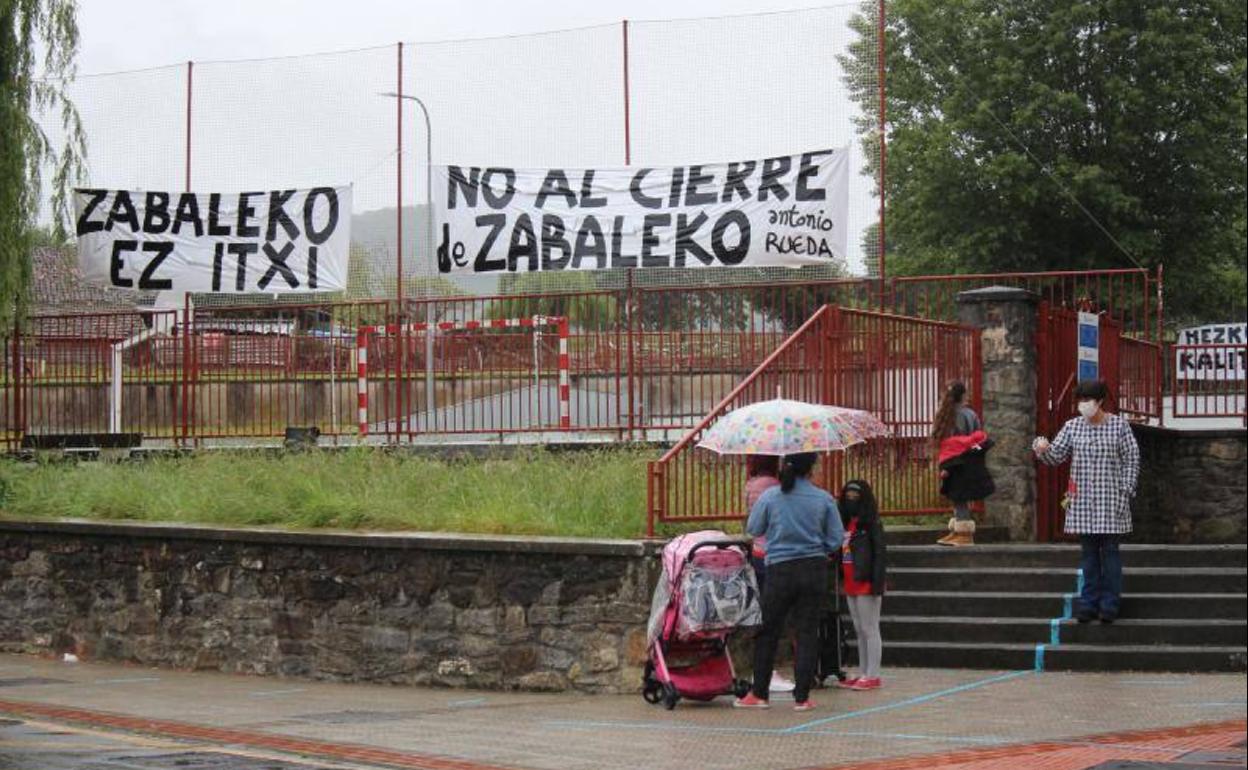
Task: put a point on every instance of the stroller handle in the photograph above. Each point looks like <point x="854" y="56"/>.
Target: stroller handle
<point x="744" y="547"/>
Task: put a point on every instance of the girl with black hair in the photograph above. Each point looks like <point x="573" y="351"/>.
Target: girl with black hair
<point x="803" y="528"/>
<point x="863" y="575"/>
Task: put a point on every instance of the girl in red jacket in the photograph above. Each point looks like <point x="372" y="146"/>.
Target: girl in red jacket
<point x="862" y="578"/>
<point x="955" y="419"/>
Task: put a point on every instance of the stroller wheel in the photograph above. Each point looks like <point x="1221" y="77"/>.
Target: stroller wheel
<point x="651" y="692"/>
<point x="670" y="696"/>
<point x="741" y="688"/>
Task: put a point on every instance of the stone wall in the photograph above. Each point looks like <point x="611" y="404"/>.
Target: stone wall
<point x="1193" y="486"/>
<point x="1007" y="320"/>
<point x="531" y="613"/>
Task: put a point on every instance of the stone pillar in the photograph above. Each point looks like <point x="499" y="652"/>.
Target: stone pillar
<point x="1007" y="319"/>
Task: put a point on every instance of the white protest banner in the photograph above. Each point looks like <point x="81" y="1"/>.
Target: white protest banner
<point x="789" y="210"/>
<point x="272" y="242"/>
<point x="1211" y="352"/>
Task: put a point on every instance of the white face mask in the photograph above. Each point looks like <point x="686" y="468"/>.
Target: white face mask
<point x="1088" y="408"/>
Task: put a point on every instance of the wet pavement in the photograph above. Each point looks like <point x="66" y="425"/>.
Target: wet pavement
<point x="922" y="718"/>
<point x="46" y="746"/>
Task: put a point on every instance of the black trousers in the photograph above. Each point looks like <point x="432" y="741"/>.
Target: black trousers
<point x="799" y="586"/>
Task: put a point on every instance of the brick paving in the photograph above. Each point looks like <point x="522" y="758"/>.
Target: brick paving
<point x="931" y="719"/>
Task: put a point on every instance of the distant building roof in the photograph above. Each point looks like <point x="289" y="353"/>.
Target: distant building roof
<point x="58" y="287"/>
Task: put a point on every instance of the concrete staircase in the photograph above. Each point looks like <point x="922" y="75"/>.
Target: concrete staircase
<point x="1002" y="606"/>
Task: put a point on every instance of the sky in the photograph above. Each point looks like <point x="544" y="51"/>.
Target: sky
<point x="135" y="34"/>
<point x="745" y="81"/>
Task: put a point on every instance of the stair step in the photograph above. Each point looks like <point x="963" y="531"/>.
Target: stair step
<point x="1142" y="632"/>
<point x="1099" y="657"/>
<point x="1073" y="657"/>
<point x="899" y="535"/>
<point x="1031" y="605"/>
<point x="1136" y="580"/>
<point x="977" y="655"/>
<point x="1128" y="631"/>
<point x="1031" y="555"/>
<point x="994" y="630"/>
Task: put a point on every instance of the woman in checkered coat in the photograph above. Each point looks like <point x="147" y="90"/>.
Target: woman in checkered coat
<point x="1104" y="468"/>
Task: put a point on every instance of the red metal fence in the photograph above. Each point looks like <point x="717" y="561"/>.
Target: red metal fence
<point x="1208" y="380"/>
<point x="893" y="366"/>
<point x="646" y="362"/>
<point x="1140" y="376"/>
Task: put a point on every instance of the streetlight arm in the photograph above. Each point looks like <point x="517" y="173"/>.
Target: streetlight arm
<point x="424" y="111"/>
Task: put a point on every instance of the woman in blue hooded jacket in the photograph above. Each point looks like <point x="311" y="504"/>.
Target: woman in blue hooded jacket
<point x="803" y="528"/>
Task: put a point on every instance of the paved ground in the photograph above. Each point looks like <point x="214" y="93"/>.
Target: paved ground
<point x="973" y="720"/>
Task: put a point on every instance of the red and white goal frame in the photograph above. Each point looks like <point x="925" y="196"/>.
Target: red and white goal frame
<point x="363" y="333"/>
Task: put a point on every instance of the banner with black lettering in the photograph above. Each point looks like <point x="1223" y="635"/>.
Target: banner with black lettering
<point x="1212" y="352"/>
<point x="271" y="242"/>
<point x="789" y="210"/>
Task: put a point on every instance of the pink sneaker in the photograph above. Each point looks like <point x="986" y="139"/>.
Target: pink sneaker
<point x="867" y="684"/>
<point x="848" y="684"/>
<point x="805" y="705"/>
<point x="750" y="701"/>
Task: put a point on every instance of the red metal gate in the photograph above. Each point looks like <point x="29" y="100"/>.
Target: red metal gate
<point x="894" y="366"/>
<point x="1057" y="352"/>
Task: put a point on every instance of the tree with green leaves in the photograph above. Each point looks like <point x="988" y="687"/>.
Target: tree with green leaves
<point x="1065" y="134"/>
<point x="529" y="294"/>
<point x="33" y="33"/>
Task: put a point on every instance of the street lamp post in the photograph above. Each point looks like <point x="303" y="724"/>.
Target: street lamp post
<point x="429" y="330"/>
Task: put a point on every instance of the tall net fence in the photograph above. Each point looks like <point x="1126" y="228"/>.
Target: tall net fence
<point x="632" y="93"/>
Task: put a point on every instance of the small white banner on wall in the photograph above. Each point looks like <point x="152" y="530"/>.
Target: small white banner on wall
<point x="1089" y="346"/>
<point x="272" y="242"/>
<point x="789" y="211"/>
<point x="1211" y="352"/>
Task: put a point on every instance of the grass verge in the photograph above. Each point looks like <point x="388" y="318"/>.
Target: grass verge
<point x="576" y="494"/>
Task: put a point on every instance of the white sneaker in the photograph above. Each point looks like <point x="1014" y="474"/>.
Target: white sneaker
<point x="780" y="684"/>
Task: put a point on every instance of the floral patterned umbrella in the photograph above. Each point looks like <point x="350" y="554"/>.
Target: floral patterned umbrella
<point x="783" y="427"/>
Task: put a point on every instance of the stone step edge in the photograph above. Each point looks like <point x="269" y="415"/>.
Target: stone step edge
<point x="1243" y="597"/>
<point x="1027" y="647"/>
<point x="1204" y="572"/>
<point x="1047" y="622"/>
<point x="1073" y="548"/>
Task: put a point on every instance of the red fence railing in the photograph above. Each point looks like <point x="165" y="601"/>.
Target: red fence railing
<point x="893" y="366"/>
<point x="1209" y="381"/>
<point x="645" y="361"/>
<point x="1140" y="375"/>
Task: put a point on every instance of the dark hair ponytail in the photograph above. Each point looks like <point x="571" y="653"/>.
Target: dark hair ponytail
<point x="796" y="467"/>
<point x="947" y="414"/>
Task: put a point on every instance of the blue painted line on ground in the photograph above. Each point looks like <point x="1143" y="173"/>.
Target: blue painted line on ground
<point x="1214" y="704"/>
<point x="469" y="702"/>
<point x="806" y="727"/>
<point x="128" y="680"/>
<point x="909" y="701"/>
<point x="670" y="726"/>
<point x="1055" y="624"/>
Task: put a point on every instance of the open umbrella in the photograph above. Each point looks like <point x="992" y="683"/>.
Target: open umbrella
<point x="784" y="427"/>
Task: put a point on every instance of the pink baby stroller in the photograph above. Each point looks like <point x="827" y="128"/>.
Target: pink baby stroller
<point x="707" y="592"/>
